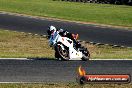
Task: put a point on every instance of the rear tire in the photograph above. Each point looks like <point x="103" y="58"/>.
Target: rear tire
<point x="86" y="54"/>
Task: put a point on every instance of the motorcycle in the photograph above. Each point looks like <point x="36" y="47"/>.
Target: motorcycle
<point x="66" y="49"/>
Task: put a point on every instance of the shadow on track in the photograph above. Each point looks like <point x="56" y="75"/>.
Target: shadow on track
<point x="53" y="59"/>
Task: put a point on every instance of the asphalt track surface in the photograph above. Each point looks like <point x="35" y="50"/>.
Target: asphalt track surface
<point x="87" y="32"/>
<point x="57" y="71"/>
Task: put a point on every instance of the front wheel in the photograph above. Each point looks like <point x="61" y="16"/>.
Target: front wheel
<point x="62" y="52"/>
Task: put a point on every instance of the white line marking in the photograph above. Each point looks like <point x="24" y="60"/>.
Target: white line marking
<point x="109" y="59"/>
<point x="6" y="30"/>
<point x="21" y="82"/>
<point x="69" y="60"/>
<point x="106" y="44"/>
<point x="98" y="43"/>
<point x="14" y="59"/>
<point x="115" y="45"/>
<point x="75" y="59"/>
<point x="44" y="35"/>
<point x="122" y="46"/>
<point x="29" y="33"/>
<point x="91" y="42"/>
<point x="36" y="34"/>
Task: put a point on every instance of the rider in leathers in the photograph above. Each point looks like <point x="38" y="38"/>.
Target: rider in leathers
<point x="53" y="32"/>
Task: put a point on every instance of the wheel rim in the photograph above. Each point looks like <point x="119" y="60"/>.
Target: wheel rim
<point x="63" y="53"/>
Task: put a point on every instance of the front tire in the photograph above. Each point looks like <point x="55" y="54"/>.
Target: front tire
<point x="61" y="51"/>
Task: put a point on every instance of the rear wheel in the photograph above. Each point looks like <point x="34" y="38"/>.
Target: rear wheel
<point x="62" y="52"/>
<point x="86" y="54"/>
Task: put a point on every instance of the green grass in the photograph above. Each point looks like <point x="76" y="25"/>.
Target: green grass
<point x="65" y="85"/>
<point x="15" y="44"/>
<point x="106" y="52"/>
<point x="119" y="15"/>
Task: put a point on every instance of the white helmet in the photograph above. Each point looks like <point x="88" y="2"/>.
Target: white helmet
<point x="52" y="28"/>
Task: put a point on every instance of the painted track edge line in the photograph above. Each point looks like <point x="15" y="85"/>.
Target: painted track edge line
<point x="20" y="82"/>
<point x="109" y="59"/>
<point x="14" y="59"/>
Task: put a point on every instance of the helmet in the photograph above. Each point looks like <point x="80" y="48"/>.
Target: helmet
<point x="51" y="30"/>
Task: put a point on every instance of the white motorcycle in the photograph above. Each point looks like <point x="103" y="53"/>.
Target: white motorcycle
<point x="65" y="49"/>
